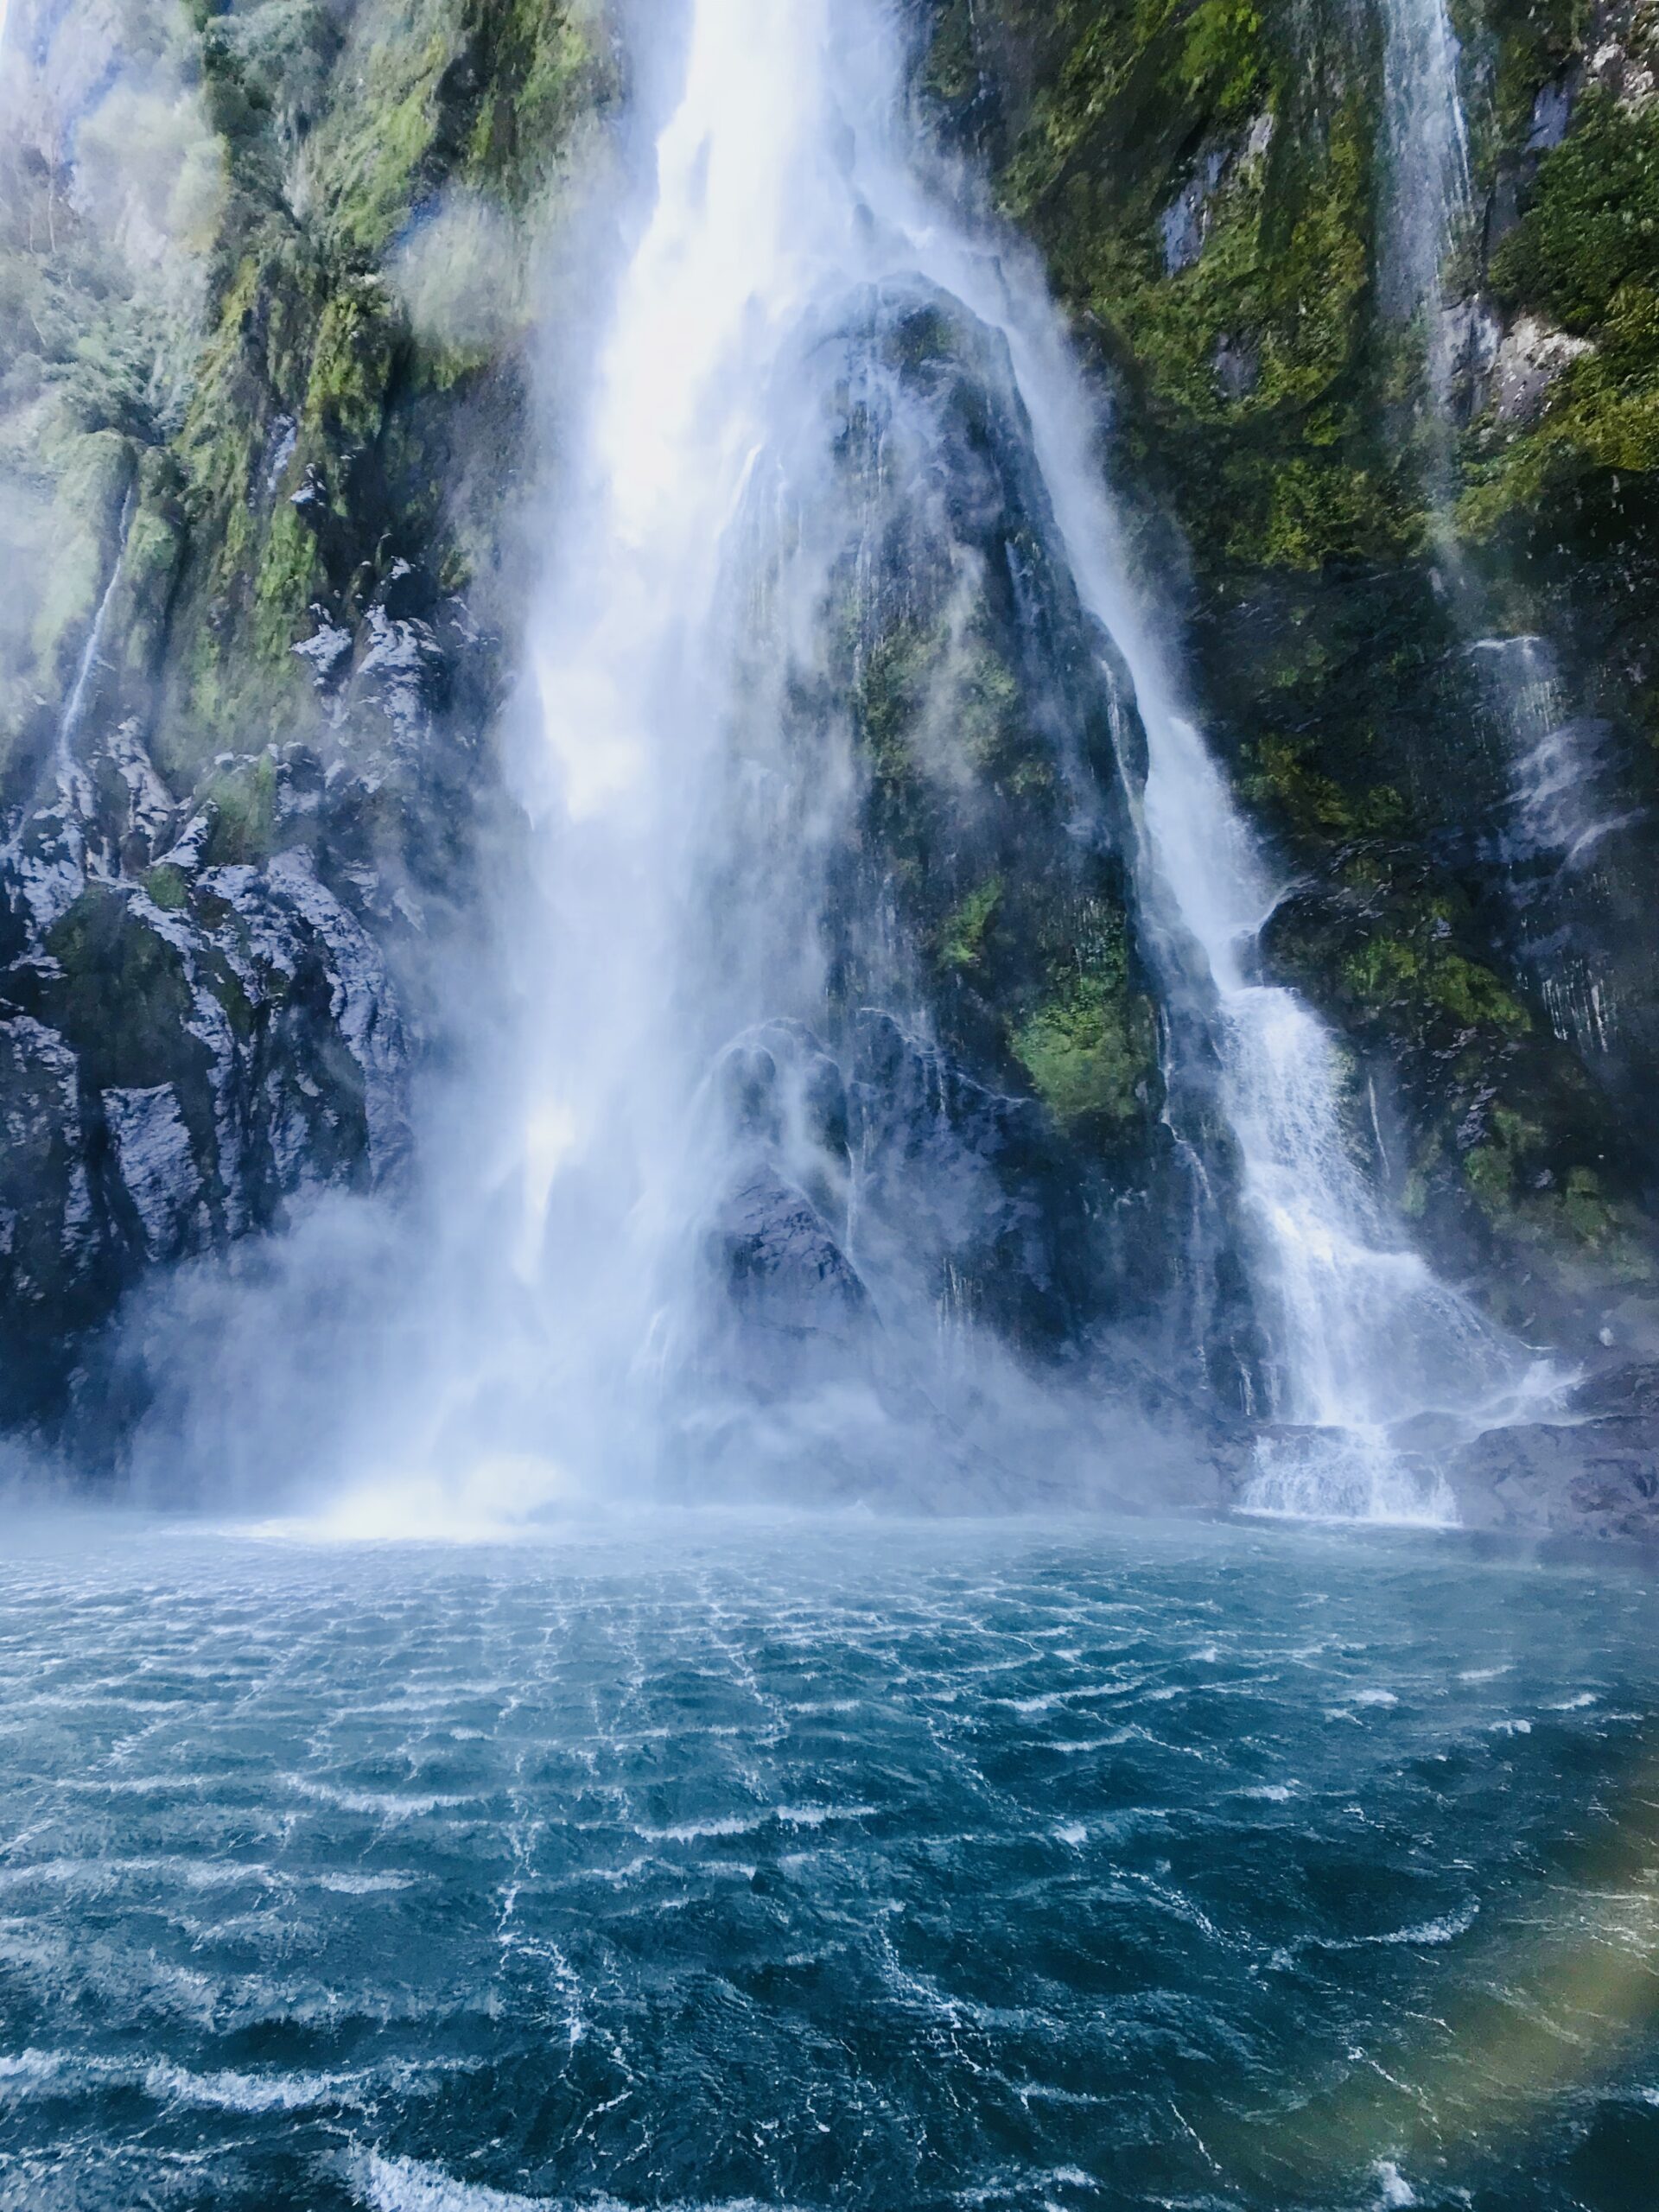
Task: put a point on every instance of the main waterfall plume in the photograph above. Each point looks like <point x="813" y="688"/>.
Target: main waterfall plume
<point x="841" y="696"/>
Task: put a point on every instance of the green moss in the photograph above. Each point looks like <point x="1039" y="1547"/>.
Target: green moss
<point x="890" y="691"/>
<point x="93" y="474"/>
<point x="1586" y="257"/>
<point x="1089" y="1047"/>
<point x="1281" y="777"/>
<point x="951" y="71"/>
<point x="169" y="886"/>
<point x="962" y="938"/>
<point x="1602" y="421"/>
<point x="1508" y="1178"/>
<point x="244" y="799"/>
<point x="124" y="1000"/>
<point x="288" y="581"/>
<point x="1488" y="1171"/>
<point x="546" y="67"/>
<point x="1324" y="512"/>
<point x="1222" y="52"/>
<point x="154" y="548"/>
<point x="1087" y="1053"/>
<point x="1420" y="1177"/>
<point x="368" y="155"/>
<point x="1533" y="41"/>
<point x="351" y="367"/>
<point x="985" y="710"/>
<point x="1592" y="225"/>
<point x="1389" y="970"/>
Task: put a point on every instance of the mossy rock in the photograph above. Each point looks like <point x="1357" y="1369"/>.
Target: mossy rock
<point x="124" y="1000"/>
<point x="1090" y="1052"/>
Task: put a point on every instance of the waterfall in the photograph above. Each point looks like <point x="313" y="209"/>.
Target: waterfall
<point x="1430" y="212"/>
<point x="675" y="965"/>
<point x="1562" y="813"/>
<point x="1559" y="812"/>
<point x="1364" y="1336"/>
<point x="75" y="705"/>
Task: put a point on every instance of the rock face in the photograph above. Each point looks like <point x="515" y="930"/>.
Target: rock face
<point x="264" y="422"/>
<point x="251" y="670"/>
<point x="1592" y="1475"/>
<point x="988" y="995"/>
<point x="189" y="1043"/>
<point x="1420" y="640"/>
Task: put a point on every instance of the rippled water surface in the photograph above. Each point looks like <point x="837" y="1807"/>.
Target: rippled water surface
<point x="804" y="1866"/>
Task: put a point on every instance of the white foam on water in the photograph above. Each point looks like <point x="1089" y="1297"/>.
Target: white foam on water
<point x="817" y="1816"/>
<point x="705" y="1831"/>
<point x="24" y="2072"/>
<point x="366" y="1885"/>
<point x="383" y="1805"/>
<point x="387" y="2184"/>
<point x="406" y="2185"/>
<point x="1431" y="1934"/>
<point x="229" y="2091"/>
<point x="1395" y="2192"/>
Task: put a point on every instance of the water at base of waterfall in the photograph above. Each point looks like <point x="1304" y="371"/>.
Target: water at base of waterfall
<point x="824" y="1865"/>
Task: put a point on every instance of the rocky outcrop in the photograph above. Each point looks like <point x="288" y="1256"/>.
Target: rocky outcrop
<point x="189" y="1043"/>
<point x="1591" y="1474"/>
<point x="1528" y="359"/>
<point x="1019" y="1132"/>
<point x="1374" y="591"/>
<point x="254" y="417"/>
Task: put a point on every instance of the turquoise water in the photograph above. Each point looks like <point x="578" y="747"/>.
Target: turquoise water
<point x="866" y="1866"/>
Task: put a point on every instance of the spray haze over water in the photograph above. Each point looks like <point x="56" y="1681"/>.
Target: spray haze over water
<point x="671" y="1132"/>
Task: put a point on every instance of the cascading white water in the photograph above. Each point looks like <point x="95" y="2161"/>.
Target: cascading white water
<point x="1557" y="813"/>
<point x="784" y="188"/>
<point x="1564" y="810"/>
<point x="1429" y="200"/>
<point x="75" y="705"/>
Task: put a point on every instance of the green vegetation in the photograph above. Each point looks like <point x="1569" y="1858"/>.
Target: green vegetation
<point x="1206" y="183"/>
<point x="1523" y="1198"/>
<point x="243" y="798"/>
<point x="1390" y="970"/>
<point x="125" y="1000"/>
<point x="962" y="940"/>
<point x="1087" y="1053"/>
<point x="1090" y="1047"/>
<point x="1586" y="257"/>
<point x="1592" y="225"/>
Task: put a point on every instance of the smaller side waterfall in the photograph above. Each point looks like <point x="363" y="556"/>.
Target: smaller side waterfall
<point x="1363" y="1337"/>
<point x="1560" y="838"/>
<point x="86" y="669"/>
<point x="1366" y="1335"/>
<point x="1556" y="844"/>
<point x="1429" y="197"/>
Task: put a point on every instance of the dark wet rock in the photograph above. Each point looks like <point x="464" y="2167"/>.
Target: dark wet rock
<point x="1627" y="1392"/>
<point x="793" y="1288"/>
<point x="1594" y="1479"/>
<point x="188" y="1047"/>
<point x="967" y="1196"/>
<point x="1593" y="1472"/>
<point x="326" y="652"/>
